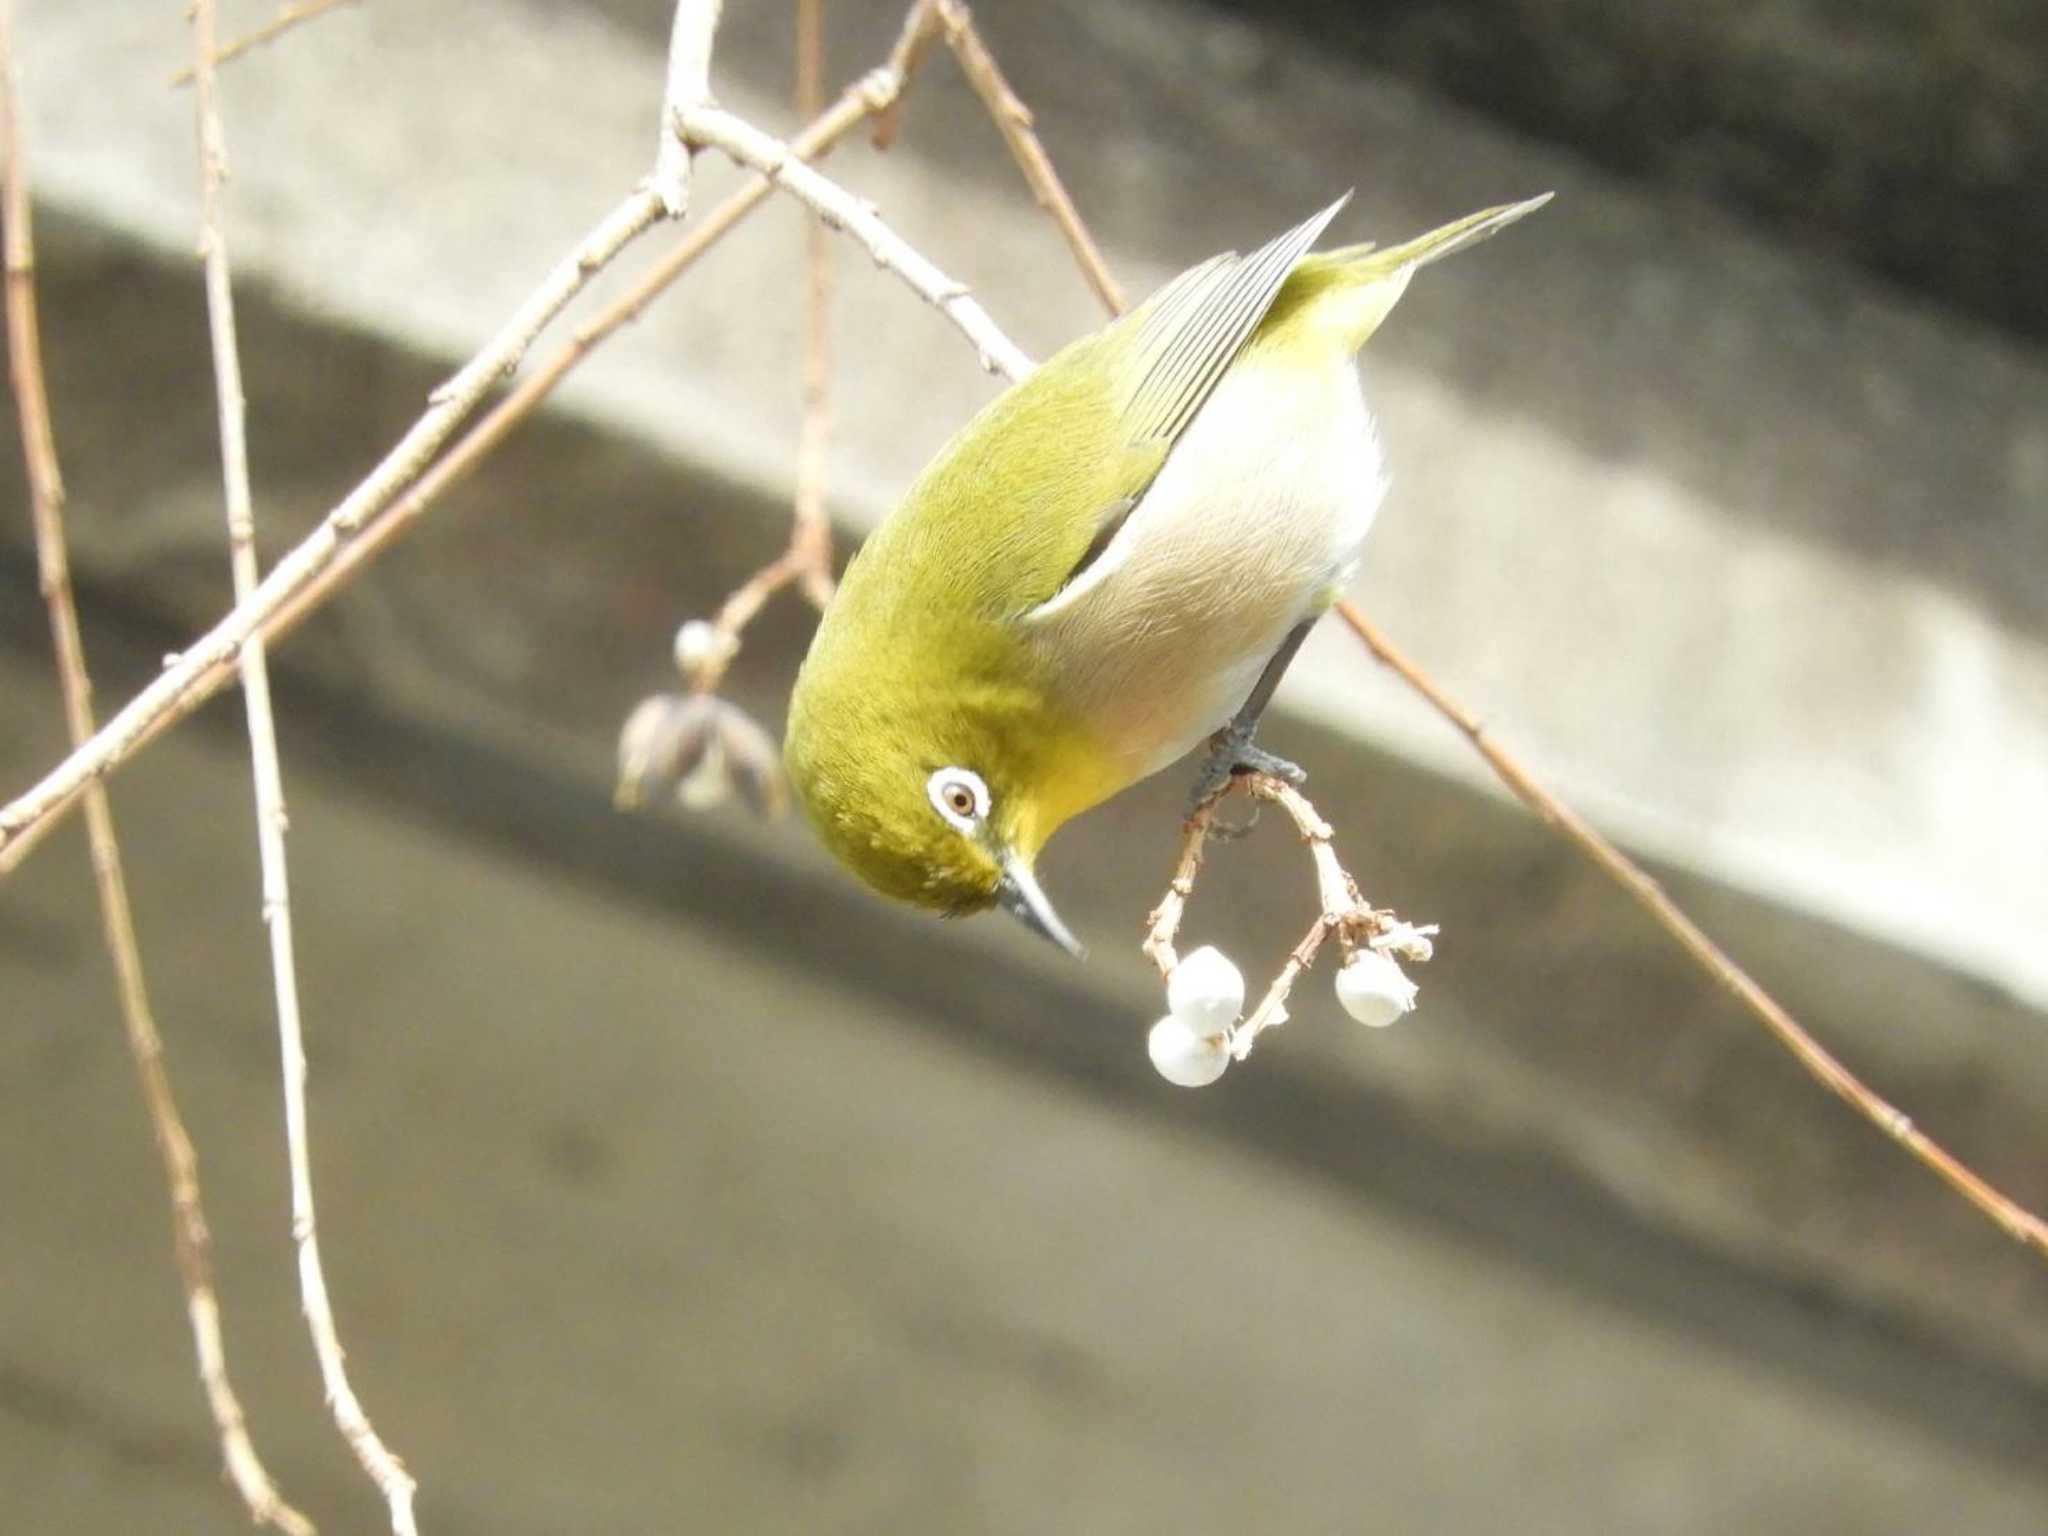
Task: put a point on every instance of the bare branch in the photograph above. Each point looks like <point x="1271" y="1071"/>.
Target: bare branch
<point x="214" y="654"/>
<point x="718" y="129"/>
<point x="2019" y="1223"/>
<point x="913" y="43"/>
<point x="705" y="651"/>
<point x="221" y="645"/>
<point x="810" y="541"/>
<point x="689" y="86"/>
<point x="190" y="1239"/>
<point x="367" y="520"/>
<point x="1342" y="911"/>
<point x="287" y="17"/>
<point x="1014" y="121"/>
<point x="927" y="23"/>
<point x="377" y="1460"/>
<point x="852" y="108"/>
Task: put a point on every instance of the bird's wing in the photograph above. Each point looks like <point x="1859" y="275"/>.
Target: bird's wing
<point x="1199" y="323"/>
<point x="1189" y="333"/>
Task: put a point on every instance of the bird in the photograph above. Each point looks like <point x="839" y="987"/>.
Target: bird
<point x="1113" y="561"/>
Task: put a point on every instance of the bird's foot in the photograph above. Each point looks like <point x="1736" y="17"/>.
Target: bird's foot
<point x="1231" y="752"/>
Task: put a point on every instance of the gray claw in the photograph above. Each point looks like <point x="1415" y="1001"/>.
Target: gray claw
<point x="1231" y="751"/>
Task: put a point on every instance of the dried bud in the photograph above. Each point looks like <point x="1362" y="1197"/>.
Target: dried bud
<point x="1185" y="1057"/>
<point x="1374" y="989"/>
<point x="662" y="740"/>
<point x="1206" y="990"/>
<point x="698" y="748"/>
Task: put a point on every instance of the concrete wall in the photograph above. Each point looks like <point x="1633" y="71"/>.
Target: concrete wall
<point x="674" y="1182"/>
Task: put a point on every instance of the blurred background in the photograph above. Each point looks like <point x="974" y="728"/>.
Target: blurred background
<point x="670" y="1182"/>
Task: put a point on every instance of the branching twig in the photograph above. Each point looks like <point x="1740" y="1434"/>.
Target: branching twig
<point x="689" y="85"/>
<point x="921" y="28"/>
<point x="219" y="648"/>
<point x="1014" y="121"/>
<point x="2018" y="1222"/>
<point x="810" y="542"/>
<point x="714" y="128"/>
<point x="852" y="108"/>
<point x="190" y="1239"/>
<point x="333" y="563"/>
<point x="384" y="1468"/>
<point x="287" y="17"/>
<point x="369" y="517"/>
<point x="209" y="662"/>
<point x="705" y="650"/>
<point x="1343" y="912"/>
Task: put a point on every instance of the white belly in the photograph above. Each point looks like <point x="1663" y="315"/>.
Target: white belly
<point x="1253" y="525"/>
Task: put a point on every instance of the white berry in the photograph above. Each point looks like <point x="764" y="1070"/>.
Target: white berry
<point x="1374" y="990"/>
<point x="1206" y="990"/>
<point x="1185" y="1057"/>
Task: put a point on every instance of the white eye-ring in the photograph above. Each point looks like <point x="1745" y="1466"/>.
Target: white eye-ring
<point x="959" y="795"/>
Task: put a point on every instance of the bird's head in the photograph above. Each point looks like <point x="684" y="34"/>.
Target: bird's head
<point x="942" y="799"/>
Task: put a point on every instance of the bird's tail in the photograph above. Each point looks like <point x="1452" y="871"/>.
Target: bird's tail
<point x="1349" y="291"/>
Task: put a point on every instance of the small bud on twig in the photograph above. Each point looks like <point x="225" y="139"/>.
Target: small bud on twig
<point x="703" y="651"/>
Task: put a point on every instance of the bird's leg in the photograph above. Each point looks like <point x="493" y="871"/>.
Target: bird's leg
<point x="1231" y="750"/>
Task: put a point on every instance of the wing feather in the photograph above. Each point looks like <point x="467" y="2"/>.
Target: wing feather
<point x="1192" y="334"/>
<point x="1188" y="336"/>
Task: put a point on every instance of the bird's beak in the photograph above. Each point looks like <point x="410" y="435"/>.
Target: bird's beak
<point x="1021" y="897"/>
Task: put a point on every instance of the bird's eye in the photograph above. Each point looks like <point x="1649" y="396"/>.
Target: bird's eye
<point x="959" y="795"/>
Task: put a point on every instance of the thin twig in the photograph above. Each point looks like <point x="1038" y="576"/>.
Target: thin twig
<point x="368" y="519"/>
<point x="383" y="1467"/>
<point x="716" y="128"/>
<point x="2018" y="1222"/>
<point x="807" y="559"/>
<point x="214" y="654"/>
<point x="927" y="23"/>
<point x="913" y="44"/>
<point x="221" y="645"/>
<point x="1345" y="915"/>
<point x="858" y="102"/>
<point x="1336" y="892"/>
<point x="1162" y="925"/>
<point x="287" y="17"/>
<point x="852" y="108"/>
<point x="810" y="541"/>
<point x="1014" y="121"/>
<point x="1342" y="912"/>
<point x="190" y="1240"/>
<point x="689" y="85"/>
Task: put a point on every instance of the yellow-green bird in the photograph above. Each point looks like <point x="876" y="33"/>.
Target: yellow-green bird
<point x="1113" y="560"/>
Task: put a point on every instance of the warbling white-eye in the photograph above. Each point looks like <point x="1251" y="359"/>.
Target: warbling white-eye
<point x="1115" y="559"/>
